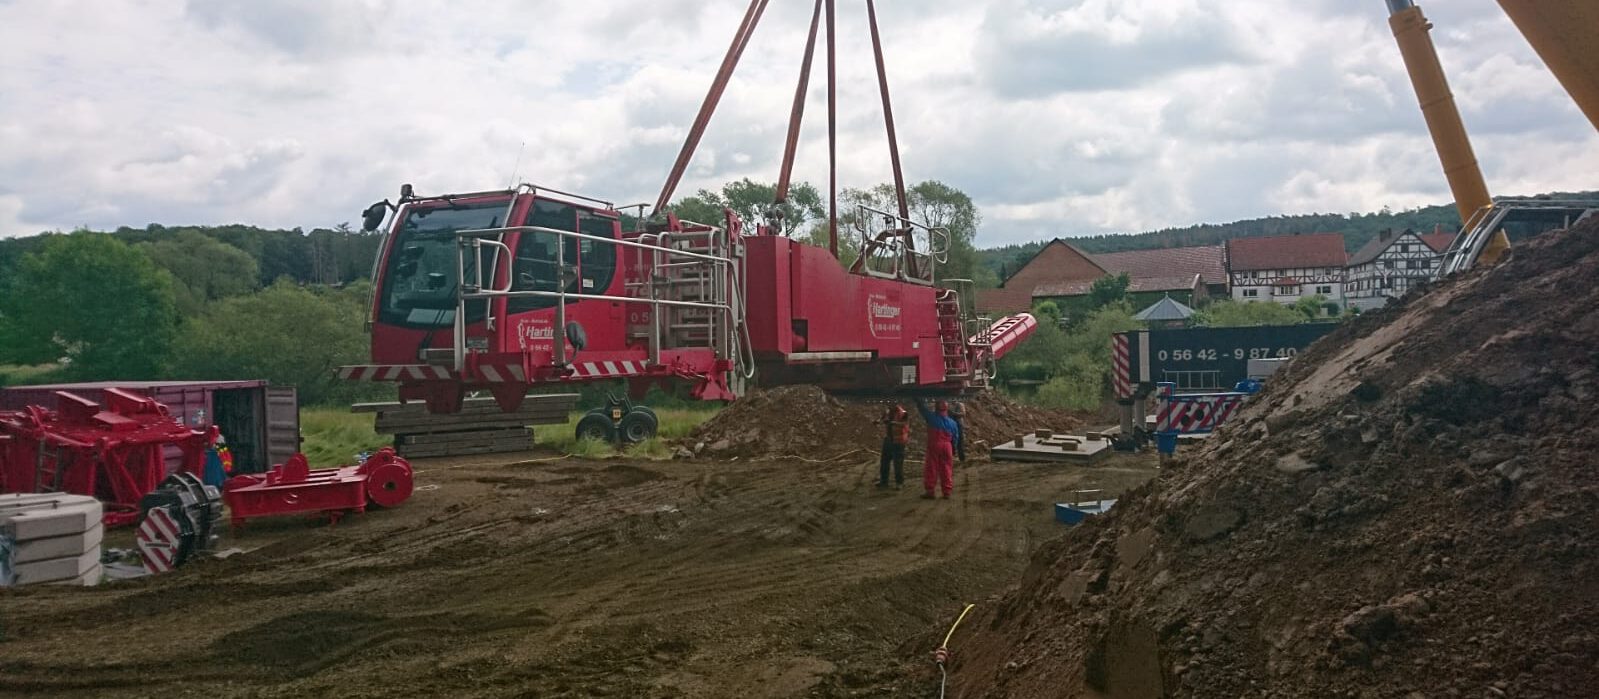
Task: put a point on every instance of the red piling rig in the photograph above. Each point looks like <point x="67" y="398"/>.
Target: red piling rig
<point x="116" y="453"/>
<point x="292" y="487"/>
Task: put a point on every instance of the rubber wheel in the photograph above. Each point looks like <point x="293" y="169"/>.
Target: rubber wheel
<point x="638" y="425"/>
<point x="596" y="426"/>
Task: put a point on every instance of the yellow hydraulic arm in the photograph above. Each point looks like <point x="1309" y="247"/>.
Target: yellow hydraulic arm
<point x="1563" y="34"/>
<point x="1411" y="30"/>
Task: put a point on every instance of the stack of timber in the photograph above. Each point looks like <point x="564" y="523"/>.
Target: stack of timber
<point x="480" y="428"/>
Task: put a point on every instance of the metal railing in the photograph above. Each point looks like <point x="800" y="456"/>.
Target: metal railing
<point x="725" y="328"/>
<point x="889" y="254"/>
<point x="1468" y="245"/>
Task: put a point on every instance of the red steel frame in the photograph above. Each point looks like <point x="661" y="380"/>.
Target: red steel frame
<point x="115" y="453"/>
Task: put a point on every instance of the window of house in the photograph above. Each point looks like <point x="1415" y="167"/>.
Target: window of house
<point x="1388" y="264"/>
<point x="1251" y="293"/>
<point x="1324" y="290"/>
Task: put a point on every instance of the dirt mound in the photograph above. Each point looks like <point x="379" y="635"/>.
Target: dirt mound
<point x="1408" y="512"/>
<point x="806" y="421"/>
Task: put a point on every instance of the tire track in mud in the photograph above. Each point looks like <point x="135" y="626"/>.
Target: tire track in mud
<point x="721" y="563"/>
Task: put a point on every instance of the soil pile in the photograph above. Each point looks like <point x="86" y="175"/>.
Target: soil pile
<point x="1409" y="511"/>
<point x="806" y="421"/>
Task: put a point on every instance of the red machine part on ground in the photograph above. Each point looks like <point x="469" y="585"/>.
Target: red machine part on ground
<point x="293" y="487"/>
<point x="116" y="452"/>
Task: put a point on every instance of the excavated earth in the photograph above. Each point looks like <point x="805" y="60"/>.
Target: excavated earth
<point x="551" y="577"/>
<point x="807" y="422"/>
<point x="1411" y="511"/>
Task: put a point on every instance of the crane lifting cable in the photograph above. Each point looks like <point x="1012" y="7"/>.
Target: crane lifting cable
<point x="823" y="9"/>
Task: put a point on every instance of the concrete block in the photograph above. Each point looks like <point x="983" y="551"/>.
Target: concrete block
<point x="68" y="569"/>
<point x="88" y="579"/>
<point x="53" y="547"/>
<point x="27" y="516"/>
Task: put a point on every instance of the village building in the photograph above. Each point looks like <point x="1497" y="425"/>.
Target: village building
<point x="1284" y="269"/>
<point x="1065" y="275"/>
<point x="1056" y="263"/>
<point x="1390" y="264"/>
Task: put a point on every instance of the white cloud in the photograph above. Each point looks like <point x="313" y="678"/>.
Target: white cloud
<point x="1060" y="118"/>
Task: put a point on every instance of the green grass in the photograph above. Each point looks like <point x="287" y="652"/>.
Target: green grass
<point x="675" y="423"/>
<point x="333" y="436"/>
<point x="17" y="375"/>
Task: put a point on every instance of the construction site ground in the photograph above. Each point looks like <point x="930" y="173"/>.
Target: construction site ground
<point x="553" y="577"/>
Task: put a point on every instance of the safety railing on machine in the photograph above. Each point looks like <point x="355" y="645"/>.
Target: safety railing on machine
<point x="891" y="252"/>
<point x="717" y="273"/>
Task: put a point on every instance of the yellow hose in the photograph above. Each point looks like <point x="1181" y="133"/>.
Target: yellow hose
<point x="958" y="620"/>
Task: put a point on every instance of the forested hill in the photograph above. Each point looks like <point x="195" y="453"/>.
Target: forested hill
<point x="1356" y="228"/>
<point x="329" y="256"/>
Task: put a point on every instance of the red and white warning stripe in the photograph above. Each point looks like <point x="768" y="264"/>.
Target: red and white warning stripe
<point x="583" y="370"/>
<point x="393" y="372"/>
<point x="158" y="539"/>
<point x="1194" y="414"/>
<point x="502" y="373"/>
<point x="1122" y="373"/>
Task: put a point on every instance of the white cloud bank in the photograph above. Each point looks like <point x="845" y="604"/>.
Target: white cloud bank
<point x="1060" y="118"/>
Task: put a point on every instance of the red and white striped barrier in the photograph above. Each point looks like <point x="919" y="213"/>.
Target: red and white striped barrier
<point x="158" y="540"/>
<point x="1122" y="368"/>
<point x="1198" y="413"/>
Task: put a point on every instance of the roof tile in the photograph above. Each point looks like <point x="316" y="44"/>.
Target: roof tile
<point x="1287" y="251"/>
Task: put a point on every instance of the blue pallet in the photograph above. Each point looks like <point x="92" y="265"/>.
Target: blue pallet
<point x="1075" y="512"/>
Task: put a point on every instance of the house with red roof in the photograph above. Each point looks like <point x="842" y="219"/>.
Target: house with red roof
<point x="1179" y="265"/>
<point x="1389" y="264"/>
<point x="1286" y="268"/>
<point x="1058" y="262"/>
<point x="1064" y="274"/>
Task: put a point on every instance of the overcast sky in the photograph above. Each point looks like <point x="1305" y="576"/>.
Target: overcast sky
<point x="1062" y="117"/>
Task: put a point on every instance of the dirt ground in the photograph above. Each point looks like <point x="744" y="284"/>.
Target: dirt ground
<point x="1407" y="511"/>
<point x="561" y="578"/>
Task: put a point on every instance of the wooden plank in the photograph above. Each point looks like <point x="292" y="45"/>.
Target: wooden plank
<point x="465" y="437"/>
<point x="568" y="399"/>
<point x="489" y="410"/>
<point x="433" y="451"/>
<point x="415" y="427"/>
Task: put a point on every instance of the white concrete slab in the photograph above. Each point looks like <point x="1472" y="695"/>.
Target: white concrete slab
<point x="53" y="547"/>
<point x="56" y="569"/>
<point x="27" y="516"/>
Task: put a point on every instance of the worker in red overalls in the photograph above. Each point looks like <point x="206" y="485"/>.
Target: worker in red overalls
<point x="896" y="432"/>
<point x="943" y="436"/>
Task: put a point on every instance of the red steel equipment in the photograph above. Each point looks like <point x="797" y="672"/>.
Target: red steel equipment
<point x="293" y="487"/>
<point x="511" y="289"/>
<point x="116" y="453"/>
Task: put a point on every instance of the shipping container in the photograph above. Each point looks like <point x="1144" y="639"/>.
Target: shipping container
<point x="261" y="423"/>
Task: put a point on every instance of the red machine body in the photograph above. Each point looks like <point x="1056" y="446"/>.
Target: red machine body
<point x="116" y="452"/>
<point x="293" y="487"/>
<point x="705" y="305"/>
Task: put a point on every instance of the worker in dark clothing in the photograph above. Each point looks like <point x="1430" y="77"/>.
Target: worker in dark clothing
<point x="957" y="412"/>
<point x="896" y="432"/>
<point x="943" y="434"/>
